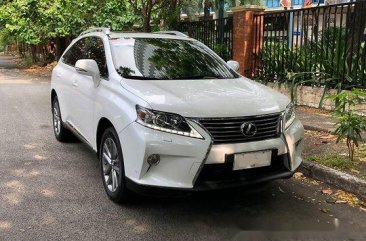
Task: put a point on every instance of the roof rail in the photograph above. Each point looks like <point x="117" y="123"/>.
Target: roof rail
<point x="106" y="31"/>
<point x="177" y="33"/>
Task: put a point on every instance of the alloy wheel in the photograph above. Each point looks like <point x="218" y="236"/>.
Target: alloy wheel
<point x="111" y="165"/>
<point x="56" y="119"/>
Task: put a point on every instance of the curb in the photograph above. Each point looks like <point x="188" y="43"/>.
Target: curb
<point x="322" y="129"/>
<point x="334" y="177"/>
<point x="316" y="128"/>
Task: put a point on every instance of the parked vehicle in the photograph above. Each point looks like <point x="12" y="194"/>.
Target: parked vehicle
<point x="162" y="110"/>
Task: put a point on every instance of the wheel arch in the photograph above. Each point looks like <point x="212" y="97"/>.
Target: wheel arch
<point x="53" y="94"/>
<point x="103" y="124"/>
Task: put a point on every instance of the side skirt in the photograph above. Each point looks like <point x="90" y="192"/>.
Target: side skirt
<point x="71" y="128"/>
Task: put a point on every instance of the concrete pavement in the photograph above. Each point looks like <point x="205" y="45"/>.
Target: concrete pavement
<point x="317" y="122"/>
<point x="53" y="191"/>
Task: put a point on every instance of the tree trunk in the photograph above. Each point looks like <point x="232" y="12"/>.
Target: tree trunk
<point x="58" y="49"/>
<point x="146" y="13"/>
<point x="147" y="26"/>
<point x="206" y="10"/>
<point x="33" y="49"/>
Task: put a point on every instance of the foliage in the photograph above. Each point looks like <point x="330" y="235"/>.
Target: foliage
<point x="148" y="11"/>
<point x="223" y="51"/>
<point x="327" y="63"/>
<point x="350" y="125"/>
<point x="34" y="21"/>
<point x="5" y="39"/>
<point x="37" y="23"/>
<point x="193" y="8"/>
<point x="332" y="160"/>
<point x="252" y="2"/>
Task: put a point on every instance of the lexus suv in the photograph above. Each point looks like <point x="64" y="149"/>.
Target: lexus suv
<point x="163" y="111"/>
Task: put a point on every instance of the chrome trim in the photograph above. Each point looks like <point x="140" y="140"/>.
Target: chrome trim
<point x="176" y="33"/>
<point x="288" y="151"/>
<point x="106" y="31"/>
<point x="228" y="130"/>
<point x="71" y="128"/>
<point x="207" y="153"/>
<point x="236" y="117"/>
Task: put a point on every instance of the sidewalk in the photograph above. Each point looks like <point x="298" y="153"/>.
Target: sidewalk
<point x="314" y="121"/>
<point x="318" y="120"/>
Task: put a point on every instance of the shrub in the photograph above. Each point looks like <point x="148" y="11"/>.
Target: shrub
<point x="350" y="125"/>
<point x="329" y="57"/>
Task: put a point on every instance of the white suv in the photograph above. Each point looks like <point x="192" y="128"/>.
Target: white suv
<point x="163" y="111"/>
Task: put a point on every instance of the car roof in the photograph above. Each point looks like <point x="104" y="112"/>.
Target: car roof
<point x="163" y="35"/>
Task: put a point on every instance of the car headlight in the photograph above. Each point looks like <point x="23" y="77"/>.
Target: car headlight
<point x="289" y="115"/>
<point x="166" y="122"/>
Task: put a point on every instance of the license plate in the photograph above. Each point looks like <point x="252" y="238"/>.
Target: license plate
<point x="252" y="160"/>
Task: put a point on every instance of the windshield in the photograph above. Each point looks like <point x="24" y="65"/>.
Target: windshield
<point x="167" y="59"/>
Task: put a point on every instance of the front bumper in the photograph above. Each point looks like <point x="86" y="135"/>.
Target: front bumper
<point x="194" y="164"/>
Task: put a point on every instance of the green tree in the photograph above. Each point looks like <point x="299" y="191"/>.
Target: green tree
<point x="145" y="9"/>
<point x="36" y="23"/>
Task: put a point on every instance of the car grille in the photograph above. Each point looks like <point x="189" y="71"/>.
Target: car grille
<point x="228" y="130"/>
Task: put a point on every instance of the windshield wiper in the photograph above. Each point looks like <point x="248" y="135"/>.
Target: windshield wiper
<point x="200" y="77"/>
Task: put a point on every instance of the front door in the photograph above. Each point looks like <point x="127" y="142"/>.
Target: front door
<point x="86" y="91"/>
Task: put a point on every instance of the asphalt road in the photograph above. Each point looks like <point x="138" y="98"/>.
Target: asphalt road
<point x="6" y="62"/>
<point x="53" y="191"/>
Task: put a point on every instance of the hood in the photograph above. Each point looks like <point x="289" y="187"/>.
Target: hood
<point x="209" y="97"/>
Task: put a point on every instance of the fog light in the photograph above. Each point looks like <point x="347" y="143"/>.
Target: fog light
<point x="153" y="159"/>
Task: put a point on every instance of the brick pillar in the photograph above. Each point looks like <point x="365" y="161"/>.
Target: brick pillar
<point x="244" y="36"/>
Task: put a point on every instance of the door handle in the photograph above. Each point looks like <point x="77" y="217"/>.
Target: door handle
<point x="74" y="83"/>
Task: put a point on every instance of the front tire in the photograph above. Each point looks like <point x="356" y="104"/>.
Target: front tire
<point x="112" y="167"/>
<point x="61" y="133"/>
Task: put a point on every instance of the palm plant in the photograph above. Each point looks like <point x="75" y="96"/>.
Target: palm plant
<point x="325" y="62"/>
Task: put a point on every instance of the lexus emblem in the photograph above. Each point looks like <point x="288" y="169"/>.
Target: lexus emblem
<point x="248" y="129"/>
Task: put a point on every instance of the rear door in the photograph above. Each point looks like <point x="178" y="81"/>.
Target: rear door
<point x="66" y="74"/>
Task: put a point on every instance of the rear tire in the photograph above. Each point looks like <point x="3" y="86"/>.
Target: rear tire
<point x="61" y="133"/>
<point x="112" y="167"/>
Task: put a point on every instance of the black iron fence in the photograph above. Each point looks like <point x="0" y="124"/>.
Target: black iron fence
<point x="216" y="34"/>
<point x="322" y="45"/>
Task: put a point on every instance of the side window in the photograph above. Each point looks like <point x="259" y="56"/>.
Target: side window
<point x="74" y="53"/>
<point x="94" y="49"/>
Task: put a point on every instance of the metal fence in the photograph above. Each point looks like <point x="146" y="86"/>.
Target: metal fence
<point x="216" y="34"/>
<point x="322" y="45"/>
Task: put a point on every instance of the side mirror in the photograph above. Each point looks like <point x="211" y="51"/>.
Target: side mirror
<point x="234" y="65"/>
<point x="89" y="67"/>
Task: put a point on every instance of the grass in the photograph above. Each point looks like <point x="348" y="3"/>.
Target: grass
<point x="332" y="160"/>
<point x="342" y="162"/>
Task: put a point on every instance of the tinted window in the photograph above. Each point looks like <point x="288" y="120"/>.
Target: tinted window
<point x="74" y="53"/>
<point x="154" y="58"/>
<point x="94" y="49"/>
<point x="88" y="48"/>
